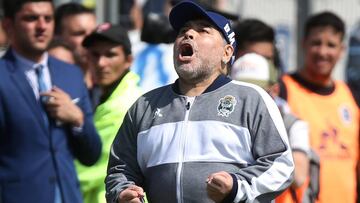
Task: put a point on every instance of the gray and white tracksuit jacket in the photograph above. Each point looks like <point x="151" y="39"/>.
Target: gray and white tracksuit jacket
<point x="169" y="144"/>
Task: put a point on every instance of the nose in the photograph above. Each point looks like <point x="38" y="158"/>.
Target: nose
<point x="323" y="50"/>
<point x="189" y="34"/>
<point x="102" y="61"/>
<point x="41" y="23"/>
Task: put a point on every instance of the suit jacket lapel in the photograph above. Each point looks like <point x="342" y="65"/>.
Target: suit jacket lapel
<point x="21" y="82"/>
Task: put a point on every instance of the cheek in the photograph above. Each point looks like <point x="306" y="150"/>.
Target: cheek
<point x="336" y="53"/>
<point x="71" y="40"/>
<point x="310" y="48"/>
<point x="210" y="48"/>
<point x="311" y="52"/>
<point x="94" y="60"/>
<point x="211" y="43"/>
<point x="117" y="68"/>
<point x="78" y="40"/>
<point x="24" y="30"/>
<point x="175" y="48"/>
<point x="214" y="53"/>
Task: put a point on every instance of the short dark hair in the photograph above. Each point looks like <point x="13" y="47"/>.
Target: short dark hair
<point x="66" y="10"/>
<point x="11" y="7"/>
<point x="252" y="30"/>
<point x="324" y="19"/>
<point x="57" y="42"/>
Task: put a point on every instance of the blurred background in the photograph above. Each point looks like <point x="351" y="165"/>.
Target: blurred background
<point x="286" y="17"/>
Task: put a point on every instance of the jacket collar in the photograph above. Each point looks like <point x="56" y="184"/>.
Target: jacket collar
<point x="218" y="82"/>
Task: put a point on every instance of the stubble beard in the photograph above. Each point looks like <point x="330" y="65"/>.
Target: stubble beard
<point x="196" y="71"/>
<point x="33" y="50"/>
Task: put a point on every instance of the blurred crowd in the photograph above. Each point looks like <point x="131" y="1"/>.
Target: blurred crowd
<point x="117" y="63"/>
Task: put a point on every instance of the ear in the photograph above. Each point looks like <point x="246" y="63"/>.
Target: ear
<point x="228" y="52"/>
<point x="274" y="90"/>
<point x="129" y="60"/>
<point x="303" y="43"/>
<point x="6" y="25"/>
<point x="343" y="48"/>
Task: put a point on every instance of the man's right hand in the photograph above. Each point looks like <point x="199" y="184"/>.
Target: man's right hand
<point x="219" y="185"/>
<point x="132" y="194"/>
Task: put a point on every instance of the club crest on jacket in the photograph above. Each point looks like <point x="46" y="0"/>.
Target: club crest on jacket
<point x="226" y="105"/>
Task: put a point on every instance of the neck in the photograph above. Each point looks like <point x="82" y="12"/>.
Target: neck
<point x="107" y="90"/>
<point x="89" y="81"/>
<point x="31" y="55"/>
<point x="317" y="79"/>
<point x="195" y="89"/>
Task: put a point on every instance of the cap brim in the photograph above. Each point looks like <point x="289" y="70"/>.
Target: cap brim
<point x="89" y="40"/>
<point x="185" y="12"/>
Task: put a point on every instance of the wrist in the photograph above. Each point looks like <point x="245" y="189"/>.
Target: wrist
<point x="231" y="196"/>
<point x="78" y="120"/>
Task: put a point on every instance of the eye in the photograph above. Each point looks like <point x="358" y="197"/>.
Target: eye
<point x="110" y="54"/>
<point x="79" y="33"/>
<point x="205" y="29"/>
<point x="331" y="45"/>
<point x="30" y="18"/>
<point x="315" y="42"/>
<point x="49" y="18"/>
<point x="183" y="30"/>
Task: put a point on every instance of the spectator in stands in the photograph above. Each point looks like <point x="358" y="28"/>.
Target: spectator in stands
<point x="46" y="119"/>
<point x="256" y="69"/>
<point x="255" y="36"/>
<point x="61" y="50"/>
<point x="328" y="106"/>
<point x="110" y="52"/>
<point x="73" y="22"/>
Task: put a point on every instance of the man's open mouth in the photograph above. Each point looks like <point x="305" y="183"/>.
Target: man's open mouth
<point x="186" y="50"/>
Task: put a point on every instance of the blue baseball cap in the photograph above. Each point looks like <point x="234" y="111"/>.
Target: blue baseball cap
<point x="186" y="11"/>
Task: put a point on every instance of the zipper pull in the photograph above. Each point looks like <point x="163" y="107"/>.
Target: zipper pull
<point x="187" y="105"/>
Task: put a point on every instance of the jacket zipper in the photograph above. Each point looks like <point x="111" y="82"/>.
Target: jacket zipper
<point x="188" y="105"/>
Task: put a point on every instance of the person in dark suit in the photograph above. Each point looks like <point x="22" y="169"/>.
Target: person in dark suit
<point x="45" y="113"/>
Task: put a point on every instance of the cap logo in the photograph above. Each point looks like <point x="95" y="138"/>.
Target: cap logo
<point x="231" y="35"/>
<point x="103" y="27"/>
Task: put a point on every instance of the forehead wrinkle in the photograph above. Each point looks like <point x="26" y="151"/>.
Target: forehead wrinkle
<point x="200" y="22"/>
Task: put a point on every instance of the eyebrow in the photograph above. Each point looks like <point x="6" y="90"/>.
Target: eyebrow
<point x="201" y="21"/>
